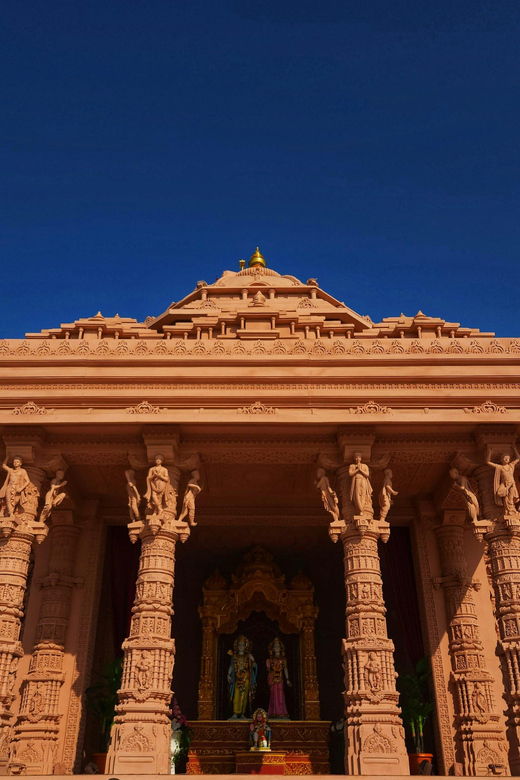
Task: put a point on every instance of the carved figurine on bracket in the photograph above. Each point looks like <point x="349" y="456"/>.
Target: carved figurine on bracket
<point x="134" y="499"/>
<point x="386" y="494"/>
<point x="53" y="497"/>
<point x="276" y="671"/>
<point x="13" y="492"/>
<point x="330" y="502"/>
<point x="241" y="677"/>
<point x="157" y="482"/>
<point x="188" y="503"/>
<point x="504" y="486"/>
<point x="260" y="731"/>
<point x="361" y="487"/>
<point x="460" y="482"/>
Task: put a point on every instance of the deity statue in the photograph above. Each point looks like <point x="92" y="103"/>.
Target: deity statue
<point x="360" y="486"/>
<point x="144" y="670"/>
<point x="134" y="499"/>
<point x="276" y="671"/>
<point x="13" y="492"/>
<point x="260" y="731"/>
<point x="188" y="503"/>
<point x="158" y="487"/>
<point x="328" y="495"/>
<point x="53" y="497"/>
<point x="460" y="482"/>
<point x="504" y="487"/>
<point x="241" y="676"/>
<point x="386" y="494"/>
<point x="479" y="699"/>
<point x="373" y="676"/>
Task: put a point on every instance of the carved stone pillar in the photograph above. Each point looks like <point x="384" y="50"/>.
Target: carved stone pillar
<point x="503" y="541"/>
<point x="19" y="532"/>
<point x="207" y="696"/>
<point x="35" y="734"/>
<point x="140" y="740"/>
<point x="311" y="691"/>
<point x="374" y="735"/>
<point x="480" y="734"/>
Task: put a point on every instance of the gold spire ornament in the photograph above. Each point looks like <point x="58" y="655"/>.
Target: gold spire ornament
<point x="257" y="259"/>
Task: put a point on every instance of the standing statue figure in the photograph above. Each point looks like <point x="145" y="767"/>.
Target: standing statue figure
<point x="478" y="698"/>
<point x="328" y="495"/>
<point x="53" y="497"/>
<point x="158" y="482"/>
<point x="241" y="676"/>
<point x="13" y="491"/>
<point x="360" y="486"/>
<point x="504" y="487"/>
<point x="373" y="675"/>
<point x="276" y="671"/>
<point x="144" y="670"/>
<point x="134" y="499"/>
<point x="386" y="494"/>
<point x="188" y="503"/>
<point x="460" y="482"/>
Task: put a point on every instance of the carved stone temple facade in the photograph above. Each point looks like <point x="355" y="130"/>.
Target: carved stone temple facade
<point x="316" y="459"/>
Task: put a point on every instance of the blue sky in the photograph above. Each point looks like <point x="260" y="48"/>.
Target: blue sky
<point x="147" y="144"/>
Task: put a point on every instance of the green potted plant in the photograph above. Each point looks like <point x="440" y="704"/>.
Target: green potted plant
<point x="102" y="700"/>
<point x="416" y="707"/>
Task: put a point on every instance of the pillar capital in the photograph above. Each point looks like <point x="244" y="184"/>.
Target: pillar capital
<point x="163" y="440"/>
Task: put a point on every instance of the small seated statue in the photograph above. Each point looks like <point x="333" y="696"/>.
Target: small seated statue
<point x="260" y="731"/>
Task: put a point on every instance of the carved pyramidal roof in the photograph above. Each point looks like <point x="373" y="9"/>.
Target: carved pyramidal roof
<point x="258" y="303"/>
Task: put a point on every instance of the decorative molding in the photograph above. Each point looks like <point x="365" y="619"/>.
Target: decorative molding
<point x="257" y="408"/>
<point x="423" y="348"/>
<point x="144" y="408"/>
<point x="30" y="408"/>
<point x="488" y="407"/>
<point x="370" y="408"/>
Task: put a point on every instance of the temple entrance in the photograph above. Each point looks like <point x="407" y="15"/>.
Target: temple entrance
<point x="310" y="555"/>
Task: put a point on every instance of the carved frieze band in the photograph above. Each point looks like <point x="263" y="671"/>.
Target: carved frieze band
<point x="315" y="348"/>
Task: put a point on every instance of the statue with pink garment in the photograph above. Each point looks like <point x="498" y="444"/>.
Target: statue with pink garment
<point x="276" y="672"/>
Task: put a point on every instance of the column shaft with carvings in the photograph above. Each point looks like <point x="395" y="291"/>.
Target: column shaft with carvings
<point x="140" y="739"/>
<point x="35" y="734"/>
<point x="480" y="733"/>
<point x="503" y="541"/>
<point x="15" y="554"/>
<point x="311" y="689"/>
<point x="19" y="531"/>
<point x="207" y="696"/>
<point x="374" y="734"/>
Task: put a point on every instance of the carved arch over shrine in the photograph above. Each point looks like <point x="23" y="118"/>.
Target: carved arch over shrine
<point x="258" y="586"/>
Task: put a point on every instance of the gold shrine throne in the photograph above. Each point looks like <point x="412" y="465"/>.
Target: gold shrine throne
<point x="258" y="586"/>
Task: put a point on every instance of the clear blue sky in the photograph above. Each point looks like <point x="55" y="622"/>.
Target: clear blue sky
<point x="147" y="144"/>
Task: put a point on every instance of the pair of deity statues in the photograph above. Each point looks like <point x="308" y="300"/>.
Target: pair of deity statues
<point x="15" y="492"/>
<point x="242" y="678"/>
<point x="160" y="493"/>
<point x="360" y="491"/>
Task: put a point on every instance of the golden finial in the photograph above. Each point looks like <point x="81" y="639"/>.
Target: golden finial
<point x="257" y="259"/>
<point x="242" y="264"/>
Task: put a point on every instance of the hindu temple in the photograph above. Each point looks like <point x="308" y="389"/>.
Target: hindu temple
<point x="263" y="518"/>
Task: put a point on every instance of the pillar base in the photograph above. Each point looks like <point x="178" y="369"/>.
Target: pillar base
<point x="140" y="748"/>
<point x="375" y="747"/>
